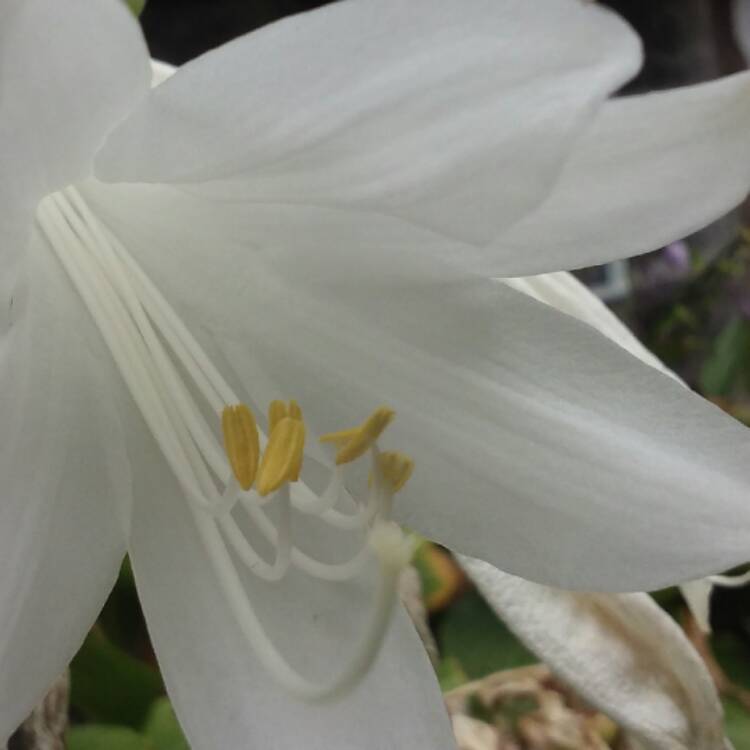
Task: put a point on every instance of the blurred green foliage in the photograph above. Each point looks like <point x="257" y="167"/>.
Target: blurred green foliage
<point x="160" y="731"/>
<point x="728" y="360"/>
<point x="125" y="696"/>
<point x="99" y="737"/>
<point x="473" y="639"/>
<point x="733" y="655"/>
<point x="136" y="6"/>
<point x="737" y="720"/>
<point x="117" y="696"/>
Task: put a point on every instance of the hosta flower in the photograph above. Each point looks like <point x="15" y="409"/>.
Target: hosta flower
<point x="296" y="231"/>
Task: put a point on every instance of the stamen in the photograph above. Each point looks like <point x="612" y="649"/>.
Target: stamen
<point x="396" y="469"/>
<point x="282" y="460"/>
<point x="355" y="442"/>
<point x="277" y="410"/>
<point x="241" y="443"/>
<point x="341" y="571"/>
<point x="391" y="554"/>
<point x="282" y="541"/>
<point x="187" y="406"/>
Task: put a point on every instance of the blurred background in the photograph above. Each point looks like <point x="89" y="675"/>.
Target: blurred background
<point x="688" y="302"/>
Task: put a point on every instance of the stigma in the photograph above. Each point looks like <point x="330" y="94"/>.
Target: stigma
<point x="232" y="464"/>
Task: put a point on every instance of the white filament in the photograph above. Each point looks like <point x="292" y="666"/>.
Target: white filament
<point x="147" y="339"/>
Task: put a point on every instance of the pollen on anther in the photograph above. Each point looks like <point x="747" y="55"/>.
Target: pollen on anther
<point x="354" y="442"/>
<point x="282" y="460"/>
<point x="396" y="469"/>
<point x="241" y="443"/>
<point x="278" y="410"/>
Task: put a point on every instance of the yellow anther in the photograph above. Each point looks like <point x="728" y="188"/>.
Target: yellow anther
<point x="340" y="437"/>
<point x="241" y="443"/>
<point x="395" y="468"/>
<point x="294" y="411"/>
<point x="282" y="461"/>
<point x="278" y="410"/>
<point x="354" y="442"/>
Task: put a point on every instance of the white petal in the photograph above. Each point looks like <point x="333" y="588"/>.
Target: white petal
<point x="453" y="114"/>
<point x="564" y="292"/>
<point x="70" y="71"/>
<point x="534" y="436"/>
<point x="622" y="653"/>
<point x="63" y="472"/>
<point x="539" y="445"/>
<point x="651" y="169"/>
<point x="222" y="694"/>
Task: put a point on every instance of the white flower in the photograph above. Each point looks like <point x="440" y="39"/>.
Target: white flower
<point x="314" y="212"/>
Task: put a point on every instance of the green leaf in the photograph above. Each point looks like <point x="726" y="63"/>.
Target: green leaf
<point x="109" y="686"/>
<point x="103" y="737"/>
<point x="737" y="722"/>
<point x="730" y="352"/>
<point x="471" y="633"/>
<point x="162" y="728"/>
<point x="136" y="6"/>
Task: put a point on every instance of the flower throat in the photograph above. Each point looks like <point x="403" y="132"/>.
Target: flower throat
<point x="224" y="463"/>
